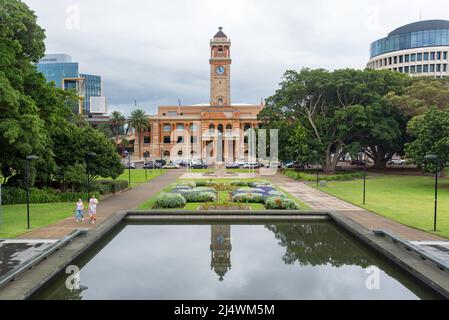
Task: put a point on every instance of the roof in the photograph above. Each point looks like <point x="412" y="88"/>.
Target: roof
<point x="421" y="26"/>
<point x="220" y="34"/>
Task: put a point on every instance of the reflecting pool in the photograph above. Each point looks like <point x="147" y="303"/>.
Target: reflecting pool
<point x="296" y="260"/>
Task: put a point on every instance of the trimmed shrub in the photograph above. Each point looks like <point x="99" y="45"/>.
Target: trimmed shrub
<point x="344" y="176"/>
<point x="204" y="189"/>
<point x="179" y="188"/>
<point x="248" y="198"/>
<point x="200" y="183"/>
<point x="193" y="195"/>
<point x="247" y="190"/>
<point x="169" y="200"/>
<point x="112" y="186"/>
<point x="191" y="184"/>
<point x="239" y="183"/>
<point x="13" y="195"/>
<point x="280" y="203"/>
<point x="256" y="184"/>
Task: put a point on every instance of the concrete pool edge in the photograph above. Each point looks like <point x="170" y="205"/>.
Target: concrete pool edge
<point x="32" y="280"/>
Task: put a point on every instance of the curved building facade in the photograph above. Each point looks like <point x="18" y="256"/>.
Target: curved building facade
<point x="419" y="49"/>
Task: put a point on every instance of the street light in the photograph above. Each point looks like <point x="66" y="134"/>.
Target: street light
<point x="434" y="157"/>
<point x="128" y="155"/>
<point x="28" y="159"/>
<point x="89" y="157"/>
<point x="364" y="178"/>
<point x="146" y="154"/>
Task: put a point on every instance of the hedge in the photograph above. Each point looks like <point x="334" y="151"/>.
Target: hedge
<point x="169" y="200"/>
<point x="239" y="183"/>
<point x="199" y="194"/>
<point x="13" y="195"/>
<point x="191" y="184"/>
<point x="280" y="203"/>
<point x="112" y="186"/>
<point x="332" y="177"/>
<point x="248" y="198"/>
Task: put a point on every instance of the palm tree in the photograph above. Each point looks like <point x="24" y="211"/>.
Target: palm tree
<point x="116" y="121"/>
<point x="139" y="122"/>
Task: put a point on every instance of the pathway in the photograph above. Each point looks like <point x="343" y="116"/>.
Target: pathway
<point x="126" y="200"/>
<point x="321" y="201"/>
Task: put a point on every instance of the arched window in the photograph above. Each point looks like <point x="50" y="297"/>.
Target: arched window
<point x="166" y="153"/>
<point x="211" y="128"/>
<point x="220" y="128"/>
<point x="220" y="102"/>
<point x="180" y="153"/>
<point x="229" y="128"/>
<point x="246" y="127"/>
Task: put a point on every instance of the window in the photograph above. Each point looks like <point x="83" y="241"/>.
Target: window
<point x="444" y="67"/>
<point x="180" y="126"/>
<point x="211" y="128"/>
<point x="407" y="69"/>
<point x="426" y="56"/>
<point x="180" y="139"/>
<point x="193" y="127"/>
<point x="180" y="153"/>
<point x="166" y="139"/>
<point x="389" y="60"/>
<point x="439" y="55"/>
<point x="419" y="69"/>
<point x="401" y="59"/>
<point x="419" y="57"/>
<point x="395" y="59"/>
<point x="413" y="57"/>
<point x="167" y="128"/>
<point x="412" y="69"/>
<point x="432" y="56"/>
<point x="438" y="67"/>
<point x="445" y="55"/>
<point x="146" y="140"/>
<point x="407" y="58"/>
<point x="220" y="128"/>
<point x="426" y="68"/>
<point x="401" y="69"/>
<point x="220" y="102"/>
<point x="432" y="68"/>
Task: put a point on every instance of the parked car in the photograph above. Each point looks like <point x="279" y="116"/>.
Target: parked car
<point x="397" y="162"/>
<point x="240" y="162"/>
<point x="272" y="165"/>
<point x="152" y="165"/>
<point x="232" y="165"/>
<point x="129" y="165"/>
<point x="292" y="165"/>
<point x="357" y="162"/>
<point x="198" y="165"/>
<point x="171" y="165"/>
<point x="252" y="165"/>
<point x="161" y="161"/>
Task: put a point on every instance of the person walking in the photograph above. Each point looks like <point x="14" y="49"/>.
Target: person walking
<point x="79" y="210"/>
<point x="93" y="209"/>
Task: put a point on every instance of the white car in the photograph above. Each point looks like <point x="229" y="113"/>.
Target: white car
<point x="171" y="166"/>
<point x="397" y="162"/>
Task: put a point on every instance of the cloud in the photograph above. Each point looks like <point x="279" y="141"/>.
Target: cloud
<point x="158" y="51"/>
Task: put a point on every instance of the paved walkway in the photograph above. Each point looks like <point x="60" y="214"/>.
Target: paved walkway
<point x="126" y="200"/>
<point x="318" y="200"/>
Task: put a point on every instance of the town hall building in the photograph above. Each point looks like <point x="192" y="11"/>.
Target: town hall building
<point x="211" y="132"/>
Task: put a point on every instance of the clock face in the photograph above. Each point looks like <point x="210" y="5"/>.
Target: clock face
<point x="220" y="70"/>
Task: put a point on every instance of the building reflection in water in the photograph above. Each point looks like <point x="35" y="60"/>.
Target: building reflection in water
<point x="220" y="249"/>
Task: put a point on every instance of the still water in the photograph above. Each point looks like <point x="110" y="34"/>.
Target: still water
<point x="306" y="260"/>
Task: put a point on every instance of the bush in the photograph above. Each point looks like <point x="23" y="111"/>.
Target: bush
<point x="200" y="194"/>
<point x="169" y="200"/>
<point x="112" y="186"/>
<point x="344" y="176"/>
<point x="239" y="183"/>
<point x="13" y="195"/>
<point x="256" y="184"/>
<point x="191" y="184"/>
<point x="280" y="203"/>
<point x="200" y="183"/>
<point x="275" y="193"/>
<point x="248" y="197"/>
<point x="248" y="190"/>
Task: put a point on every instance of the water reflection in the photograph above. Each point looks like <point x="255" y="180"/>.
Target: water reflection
<point x="220" y="249"/>
<point x="306" y="260"/>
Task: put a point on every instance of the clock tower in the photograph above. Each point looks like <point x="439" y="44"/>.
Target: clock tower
<point x="220" y="70"/>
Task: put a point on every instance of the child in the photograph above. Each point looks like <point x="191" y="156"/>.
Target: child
<point x="93" y="209"/>
<point x="79" y="210"/>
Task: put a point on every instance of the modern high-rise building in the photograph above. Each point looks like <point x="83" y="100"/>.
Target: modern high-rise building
<point x="60" y="69"/>
<point x="418" y="49"/>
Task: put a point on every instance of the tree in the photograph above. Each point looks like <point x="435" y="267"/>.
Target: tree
<point x="430" y="131"/>
<point x="116" y="122"/>
<point x="139" y="122"/>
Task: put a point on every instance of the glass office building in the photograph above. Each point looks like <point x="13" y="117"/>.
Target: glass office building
<point x="60" y="69"/>
<point x="420" y="48"/>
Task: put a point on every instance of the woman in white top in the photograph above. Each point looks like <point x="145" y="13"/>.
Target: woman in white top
<point x="93" y="209"/>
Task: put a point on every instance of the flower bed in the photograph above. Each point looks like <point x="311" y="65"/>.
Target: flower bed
<point x="280" y="203"/>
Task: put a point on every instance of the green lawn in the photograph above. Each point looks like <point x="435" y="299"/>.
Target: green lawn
<point x="223" y="196"/>
<point x="405" y="199"/>
<point x="14" y="220"/>
<point x="138" y="175"/>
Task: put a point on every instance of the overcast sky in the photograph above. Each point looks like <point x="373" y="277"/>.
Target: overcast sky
<point x="157" y="51"/>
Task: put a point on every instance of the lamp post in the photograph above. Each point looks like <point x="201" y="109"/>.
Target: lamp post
<point x="89" y="157"/>
<point x="364" y="179"/>
<point x="434" y="157"/>
<point x="28" y="159"/>
<point x="146" y="154"/>
<point x="128" y="155"/>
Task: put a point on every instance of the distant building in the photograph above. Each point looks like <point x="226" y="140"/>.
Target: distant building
<point x="418" y="49"/>
<point x="60" y="69"/>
